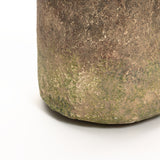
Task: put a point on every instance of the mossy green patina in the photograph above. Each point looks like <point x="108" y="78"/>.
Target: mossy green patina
<point x="99" y="60"/>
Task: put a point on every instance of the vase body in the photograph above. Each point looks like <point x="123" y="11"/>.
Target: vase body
<point x="99" y="60"/>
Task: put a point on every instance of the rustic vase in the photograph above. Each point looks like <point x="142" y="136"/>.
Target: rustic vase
<point x="99" y="60"/>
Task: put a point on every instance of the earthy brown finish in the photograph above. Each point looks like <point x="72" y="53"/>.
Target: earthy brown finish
<point x="99" y="60"/>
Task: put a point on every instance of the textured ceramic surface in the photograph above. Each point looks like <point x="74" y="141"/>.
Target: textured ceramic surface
<point x="99" y="60"/>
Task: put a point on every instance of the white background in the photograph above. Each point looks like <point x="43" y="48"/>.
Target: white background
<point x="29" y="130"/>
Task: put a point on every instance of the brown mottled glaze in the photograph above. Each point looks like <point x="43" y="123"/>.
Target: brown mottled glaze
<point x="99" y="60"/>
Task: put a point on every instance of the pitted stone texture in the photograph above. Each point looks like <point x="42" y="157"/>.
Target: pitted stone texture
<point x="99" y="60"/>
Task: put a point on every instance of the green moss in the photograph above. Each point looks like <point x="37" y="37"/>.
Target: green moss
<point x="99" y="94"/>
<point x="108" y="91"/>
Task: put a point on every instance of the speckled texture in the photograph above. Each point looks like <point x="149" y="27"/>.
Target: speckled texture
<point x="99" y="60"/>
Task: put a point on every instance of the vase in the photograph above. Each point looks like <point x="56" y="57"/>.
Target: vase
<point x="99" y="60"/>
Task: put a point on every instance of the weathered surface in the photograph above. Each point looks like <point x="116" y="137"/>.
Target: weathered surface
<point x="99" y="60"/>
